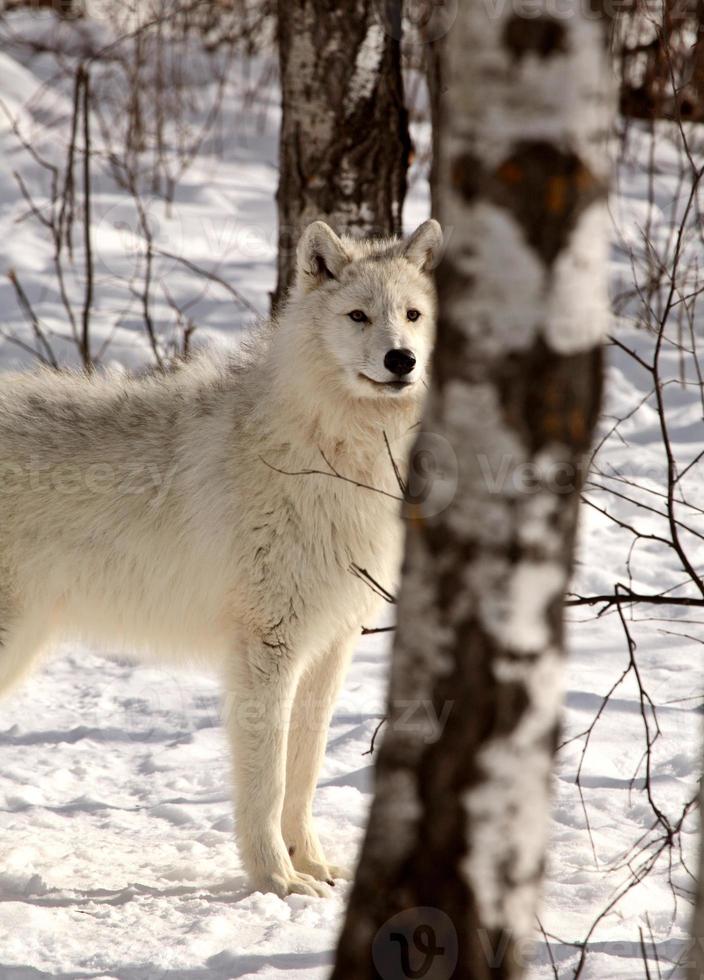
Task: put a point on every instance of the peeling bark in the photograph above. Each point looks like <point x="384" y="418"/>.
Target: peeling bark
<point x="344" y="143"/>
<point x="452" y="863"/>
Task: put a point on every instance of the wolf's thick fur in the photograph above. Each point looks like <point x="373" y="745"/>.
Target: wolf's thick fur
<point x="174" y="515"/>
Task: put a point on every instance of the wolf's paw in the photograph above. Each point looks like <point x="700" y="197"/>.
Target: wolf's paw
<point x="340" y="871"/>
<point x="291" y="883"/>
<point x="322" y="871"/>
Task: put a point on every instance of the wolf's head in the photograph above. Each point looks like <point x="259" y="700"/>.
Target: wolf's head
<point x="373" y="307"/>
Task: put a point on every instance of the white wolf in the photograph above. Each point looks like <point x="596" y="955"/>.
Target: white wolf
<point x="177" y="514"/>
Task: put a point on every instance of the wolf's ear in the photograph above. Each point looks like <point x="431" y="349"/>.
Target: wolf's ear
<point x="424" y="247"/>
<point x="320" y="255"/>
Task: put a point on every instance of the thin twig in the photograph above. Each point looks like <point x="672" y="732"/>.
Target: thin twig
<point x="47" y="356"/>
<point x="88" y="298"/>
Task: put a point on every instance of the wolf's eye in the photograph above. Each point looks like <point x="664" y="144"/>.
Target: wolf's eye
<point x="412" y="314"/>
<point x="358" y="316"/>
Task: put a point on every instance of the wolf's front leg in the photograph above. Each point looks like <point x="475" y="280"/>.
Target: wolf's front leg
<point x="316" y="694"/>
<point x="259" y="696"/>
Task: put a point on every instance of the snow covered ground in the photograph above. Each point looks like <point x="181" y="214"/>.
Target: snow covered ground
<point x="116" y="851"/>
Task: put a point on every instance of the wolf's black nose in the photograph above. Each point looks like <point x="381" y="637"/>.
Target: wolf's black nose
<point x="400" y="361"/>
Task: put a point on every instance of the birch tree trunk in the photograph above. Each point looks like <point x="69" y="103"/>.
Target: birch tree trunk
<point x="451" y="866"/>
<point x="344" y="132"/>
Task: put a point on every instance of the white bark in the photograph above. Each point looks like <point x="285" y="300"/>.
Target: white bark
<point x="523" y="309"/>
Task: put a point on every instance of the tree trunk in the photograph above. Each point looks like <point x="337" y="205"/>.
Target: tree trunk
<point x="344" y="132"/>
<point x="433" y="73"/>
<point x="453" y="858"/>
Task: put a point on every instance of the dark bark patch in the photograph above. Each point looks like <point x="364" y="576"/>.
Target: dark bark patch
<point x="542" y="36"/>
<point x="466" y="175"/>
<point x="511" y="703"/>
<point x="546" y="189"/>
<point x="558" y="404"/>
<point x="452" y="281"/>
